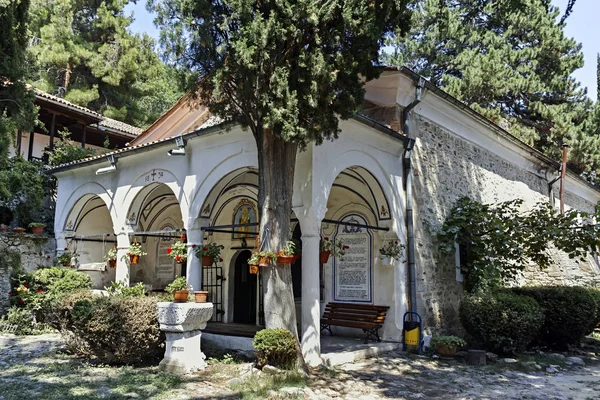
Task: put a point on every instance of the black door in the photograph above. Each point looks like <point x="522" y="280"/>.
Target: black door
<point x="244" y="293"/>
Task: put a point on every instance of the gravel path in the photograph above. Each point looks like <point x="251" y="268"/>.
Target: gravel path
<point x="34" y="367"/>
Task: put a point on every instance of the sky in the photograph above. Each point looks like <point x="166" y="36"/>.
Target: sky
<point x="581" y="25"/>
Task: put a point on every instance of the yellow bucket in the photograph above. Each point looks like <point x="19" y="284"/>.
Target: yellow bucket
<point x="412" y="337"/>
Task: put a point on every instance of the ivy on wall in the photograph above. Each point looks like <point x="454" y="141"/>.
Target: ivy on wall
<point x="498" y="241"/>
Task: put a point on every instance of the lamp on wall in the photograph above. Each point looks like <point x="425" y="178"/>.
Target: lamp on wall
<point x="180" y="150"/>
<point x="107" y="170"/>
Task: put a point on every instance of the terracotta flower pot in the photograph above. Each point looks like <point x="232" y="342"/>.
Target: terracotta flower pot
<point x="134" y="258"/>
<point x="253" y="269"/>
<point x="18" y="230"/>
<point x="201" y="296"/>
<point x="264" y="262"/>
<point x="37" y="230"/>
<point x="112" y="263"/>
<point x="446" y="351"/>
<point x="296" y="258"/>
<point x="180" y="296"/>
<point x="207" y="261"/>
<point x="181" y="261"/>
<point x="285" y="259"/>
<point x="3" y="228"/>
<point x="324" y="257"/>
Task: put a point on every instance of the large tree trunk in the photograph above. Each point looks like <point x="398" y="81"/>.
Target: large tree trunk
<point x="276" y="162"/>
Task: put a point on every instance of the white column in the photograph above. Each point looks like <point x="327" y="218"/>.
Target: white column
<point x="194" y="264"/>
<point x="122" y="270"/>
<point x="311" y="308"/>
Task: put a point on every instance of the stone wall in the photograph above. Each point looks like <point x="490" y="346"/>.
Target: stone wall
<point x="447" y="167"/>
<point x="35" y="251"/>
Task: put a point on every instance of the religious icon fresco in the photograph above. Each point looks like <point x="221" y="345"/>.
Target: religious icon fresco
<point x="244" y="213"/>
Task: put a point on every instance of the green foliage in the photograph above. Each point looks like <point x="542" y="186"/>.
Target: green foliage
<point x="595" y="292"/>
<point x="512" y="62"/>
<point x="276" y="347"/>
<point x="179" y="283"/>
<point x="113" y="330"/>
<point x="21" y="191"/>
<point x="24" y="322"/>
<point x="393" y="249"/>
<point x="67" y="150"/>
<point x="209" y="250"/>
<point x="135" y="249"/>
<point x="10" y="260"/>
<point x="500" y="240"/>
<point x="16" y="102"/>
<point x="570" y="314"/>
<point x="121" y="289"/>
<point x="292" y="67"/>
<point x="449" y="341"/>
<point x="501" y="321"/>
<point x="86" y="53"/>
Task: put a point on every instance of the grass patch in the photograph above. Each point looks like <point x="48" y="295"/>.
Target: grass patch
<point x="259" y="386"/>
<point x="61" y="377"/>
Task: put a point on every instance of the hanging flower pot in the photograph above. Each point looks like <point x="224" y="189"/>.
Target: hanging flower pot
<point x="180" y="296"/>
<point x="296" y="258"/>
<point x="201" y="296"/>
<point x="264" y="261"/>
<point x="285" y="259"/>
<point x="134" y="258"/>
<point x="324" y="257"/>
<point x="134" y="252"/>
<point x="253" y="269"/>
<point x="180" y="260"/>
<point x="112" y="263"/>
<point x="207" y="261"/>
<point x="386" y="260"/>
<point x="178" y="251"/>
<point x="209" y="253"/>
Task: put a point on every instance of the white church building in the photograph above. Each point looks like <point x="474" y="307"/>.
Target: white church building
<point x="187" y="174"/>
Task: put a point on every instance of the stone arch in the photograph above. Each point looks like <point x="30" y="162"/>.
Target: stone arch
<point x="377" y="174"/>
<point x="77" y="200"/>
<point x="228" y="165"/>
<point x="148" y="182"/>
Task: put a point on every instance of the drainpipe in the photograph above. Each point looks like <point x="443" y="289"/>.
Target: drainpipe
<point x="410" y="240"/>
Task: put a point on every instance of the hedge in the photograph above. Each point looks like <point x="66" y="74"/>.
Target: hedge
<point x="504" y="322"/>
<point x="570" y="313"/>
<point x="113" y="330"/>
<point x="276" y="347"/>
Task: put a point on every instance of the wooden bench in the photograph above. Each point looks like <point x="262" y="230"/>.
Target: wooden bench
<point x="367" y="317"/>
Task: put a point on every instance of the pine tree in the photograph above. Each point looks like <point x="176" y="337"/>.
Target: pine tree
<point x="82" y="51"/>
<point x="508" y="60"/>
<point x="287" y="71"/>
<point x="16" y="104"/>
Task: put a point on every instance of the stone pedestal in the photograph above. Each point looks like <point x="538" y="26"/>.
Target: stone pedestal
<point x="182" y="323"/>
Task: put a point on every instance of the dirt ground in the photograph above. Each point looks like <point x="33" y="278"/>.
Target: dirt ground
<point x="37" y="367"/>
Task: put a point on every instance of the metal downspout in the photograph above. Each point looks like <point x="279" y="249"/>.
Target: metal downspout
<point x="410" y="239"/>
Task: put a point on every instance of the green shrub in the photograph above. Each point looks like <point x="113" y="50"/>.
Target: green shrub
<point x="569" y="314"/>
<point x="23" y="321"/>
<point x="449" y="341"/>
<point x="595" y="292"/>
<point x="502" y="321"/>
<point x="113" y="330"/>
<point x="121" y="289"/>
<point x="276" y="347"/>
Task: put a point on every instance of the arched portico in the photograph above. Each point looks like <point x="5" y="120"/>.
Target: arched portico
<point x="88" y="234"/>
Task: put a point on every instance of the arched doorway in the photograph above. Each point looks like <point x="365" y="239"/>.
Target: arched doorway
<point x="245" y="289"/>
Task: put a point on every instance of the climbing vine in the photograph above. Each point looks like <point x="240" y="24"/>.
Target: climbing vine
<point x="498" y="241"/>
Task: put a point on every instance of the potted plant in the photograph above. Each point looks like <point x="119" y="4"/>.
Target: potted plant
<point x="135" y="252"/>
<point x="111" y="257"/>
<point x="286" y="256"/>
<point x="67" y="258"/>
<point x="266" y="258"/>
<point x="328" y="248"/>
<point x="37" y="228"/>
<point x="201" y="296"/>
<point x="3" y="228"/>
<point x="392" y="250"/>
<point x="253" y="262"/>
<point x="180" y="289"/>
<point x="18" y="229"/>
<point x="446" y="346"/>
<point x="209" y="253"/>
<point x="178" y="252"/>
